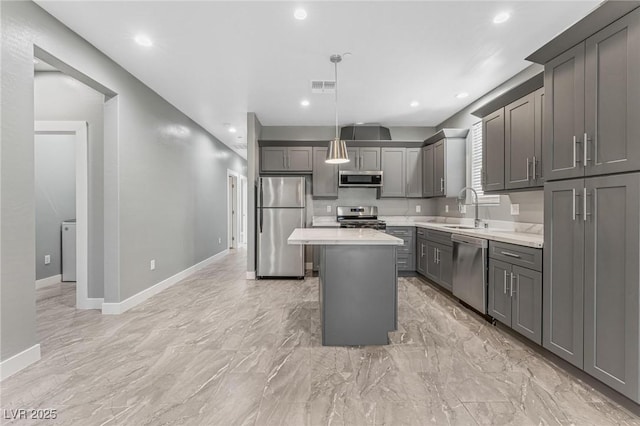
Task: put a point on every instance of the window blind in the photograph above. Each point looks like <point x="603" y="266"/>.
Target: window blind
<point x="476" y="166"/>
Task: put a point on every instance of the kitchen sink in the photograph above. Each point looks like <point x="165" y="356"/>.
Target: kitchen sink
<point x="459" y="227"/>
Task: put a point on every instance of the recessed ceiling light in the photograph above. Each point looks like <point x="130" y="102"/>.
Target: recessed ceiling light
<point x="232" y="129"/>
<point x="143" y="40"/>
<point x="501" y="17"/>
<point x="414" y="104"/>
<point x="462" y="95"/>
<point x="300" y="14"/>
<point x="304" y="103"/>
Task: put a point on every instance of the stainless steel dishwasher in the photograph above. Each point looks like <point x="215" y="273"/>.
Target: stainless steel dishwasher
<point x="470" y="271"/>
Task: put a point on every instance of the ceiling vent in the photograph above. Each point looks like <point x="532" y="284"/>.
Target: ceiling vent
<point x="323" y="86"/>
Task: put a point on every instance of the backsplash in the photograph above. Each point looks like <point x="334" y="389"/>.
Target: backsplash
<point x="531" y="205"/>
<point x="367" y="197"/>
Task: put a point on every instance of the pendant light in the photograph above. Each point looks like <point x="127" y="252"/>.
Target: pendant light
<point x="337" y="152"/>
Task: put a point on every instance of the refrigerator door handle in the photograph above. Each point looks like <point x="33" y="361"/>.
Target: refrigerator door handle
<point x="261" y="205"/>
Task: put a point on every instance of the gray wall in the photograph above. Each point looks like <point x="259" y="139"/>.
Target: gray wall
<point x="55" y="180"/>
<point x="167" y="174"/>
<point x="59" y="97"/>
<point x="531" y="202"/>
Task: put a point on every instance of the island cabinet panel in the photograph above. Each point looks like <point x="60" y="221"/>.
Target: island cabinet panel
<point x="428" y="184"/>
<point x="414" y="172"/>
<point x="394" y="163"/>
<point x="325" y="176"/>
<point x="612" y="98"/>
<point x="493" y="151"/>
<point x="294" y="159"/>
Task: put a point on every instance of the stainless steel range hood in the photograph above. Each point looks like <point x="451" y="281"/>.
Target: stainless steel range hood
<point x="363" y="132"/>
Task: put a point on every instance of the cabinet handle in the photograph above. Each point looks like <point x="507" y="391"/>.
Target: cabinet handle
<point x="585" y="145"/>
<point x="435" y="258"/>
<point x="528" y="164"/>
<point x="506" y="253"/>
<point x="534" y="168"/>
<point x="573" y="207"/>
<point x="576" y="160"/>
<point x="438" y="257"/>
<point x="505" y="282"/>
<point x="511" y="284"/>
<point x="361" y="161"/>
<point x="421" y="250"/>
<point x="584" y="201"/>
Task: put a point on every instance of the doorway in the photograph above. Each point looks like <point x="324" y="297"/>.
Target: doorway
<point x="236" y="209"/>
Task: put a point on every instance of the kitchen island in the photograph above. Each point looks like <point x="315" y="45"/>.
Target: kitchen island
<point x="358" y="284"/>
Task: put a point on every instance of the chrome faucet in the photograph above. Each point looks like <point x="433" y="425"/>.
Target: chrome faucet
<point x="476" y="221"/>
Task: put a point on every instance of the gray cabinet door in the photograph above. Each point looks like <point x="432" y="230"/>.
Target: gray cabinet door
<point x="538" y="166"/>
<point x="300" y="159"/>
<point x="563" y="284"/>
<point x="526" y="303"/>
<point x="427" y="171"/>
<point x="445" y="260"/>
<point x="273" y="159"/>
<point x="612" y="98"/>
<point x="354" y="159"/>
<point x="325" y="176"/>
<point x="564" y="115"/>
<point x="612" y="281"/>
<point x="414" y="172"/>
<point x="493" y="151"/>
<point x="519" y="142"/>
<point x="499" y="291"/>
<point x="394" y="172"/>
<point x="439" y="169"/>
<point x="421" y="256"/>
<point x="433" y="269"/>
<point x="369" y="159"/>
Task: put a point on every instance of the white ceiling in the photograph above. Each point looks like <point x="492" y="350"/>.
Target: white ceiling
<point x="217" y="60"/>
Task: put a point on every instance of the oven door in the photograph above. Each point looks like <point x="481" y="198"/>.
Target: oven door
<point x="352" y="179"/>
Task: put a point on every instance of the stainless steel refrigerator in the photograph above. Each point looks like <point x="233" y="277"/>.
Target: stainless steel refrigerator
<point x="281" y="203"/>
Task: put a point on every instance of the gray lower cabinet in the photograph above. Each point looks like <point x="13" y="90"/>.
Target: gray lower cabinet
<point x="444" y="168"/>
<point x="493" y="151"/>
<point x="363" y="158"/>
<point x="406" y="257"/>
<point x="394" y="175"/>
<point x="592" y="283"/>
<point x="414" y="173"/>
<point x="515" y="298"/>
<point x="434" y="257"/>
<point x="298" y="159"/>
<point x="592" y="106"/>
<point x="324" y="182"/>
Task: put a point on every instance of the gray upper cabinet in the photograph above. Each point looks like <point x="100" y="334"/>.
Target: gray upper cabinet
<point x="325" y="176"/>
<point x="363" y="158"/>
<point x="563" y="286"/>
<point x="521" y="138"/>
<point x="298" y="159"/>
<point x="593" y="104"/>
<point x="612" y="281"/>
<point x="444" y="168"/>
<point x="538" y="165"/>
<point x="612" y="98"/>
<point x="414" y="172"/>
<point x="427" y="171"/>
<point x="564" y="115"/>
<point x="493" y="151"/>
<point x="394" y="163"/>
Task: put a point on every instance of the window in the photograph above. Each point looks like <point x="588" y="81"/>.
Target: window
<point x="476" y="166"/>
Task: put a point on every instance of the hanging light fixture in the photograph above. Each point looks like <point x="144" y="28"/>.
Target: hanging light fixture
<point x="337" y="152"/>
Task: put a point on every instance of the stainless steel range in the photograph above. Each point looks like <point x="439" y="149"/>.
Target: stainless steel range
<point x="359" y="217"/>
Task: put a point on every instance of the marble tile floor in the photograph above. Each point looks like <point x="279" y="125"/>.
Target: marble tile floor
<point x="217" y="349"/>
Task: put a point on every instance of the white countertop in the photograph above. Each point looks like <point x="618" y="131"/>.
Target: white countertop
<point x="501" y="235"/>
<point x="342" y="236"/>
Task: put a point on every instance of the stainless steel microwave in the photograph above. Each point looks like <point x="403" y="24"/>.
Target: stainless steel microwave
<point x="363" y="179"/>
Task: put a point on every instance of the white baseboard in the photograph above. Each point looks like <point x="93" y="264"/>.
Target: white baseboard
<point x="308" y="266"/>
<point x="90" y="303"/>
<point x="136" y="299"/>
<point x="45" y="282"/>
<point x="251" y="275"/>
<point x="22" y="360"/>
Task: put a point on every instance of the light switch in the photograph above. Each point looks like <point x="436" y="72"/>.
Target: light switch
<point x="515" y="209"/>
<point x="152" y="264"/>
<point x="328" y="209"/>
<point x="47" y="259"/>
<point x="446" y="208"/>
<point x="418" y="209"/>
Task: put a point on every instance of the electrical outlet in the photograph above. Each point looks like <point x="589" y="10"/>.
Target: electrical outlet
<point x="152" y="264"/>
<point x="418" y="209"/>
<point x="328" y="209"/>
<point x="463" y="208"/>
<point x="219" y="240"/>
<point x="446" y="208"/>
<point x="515" y="209"/>
<point x="47" y="259"/>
